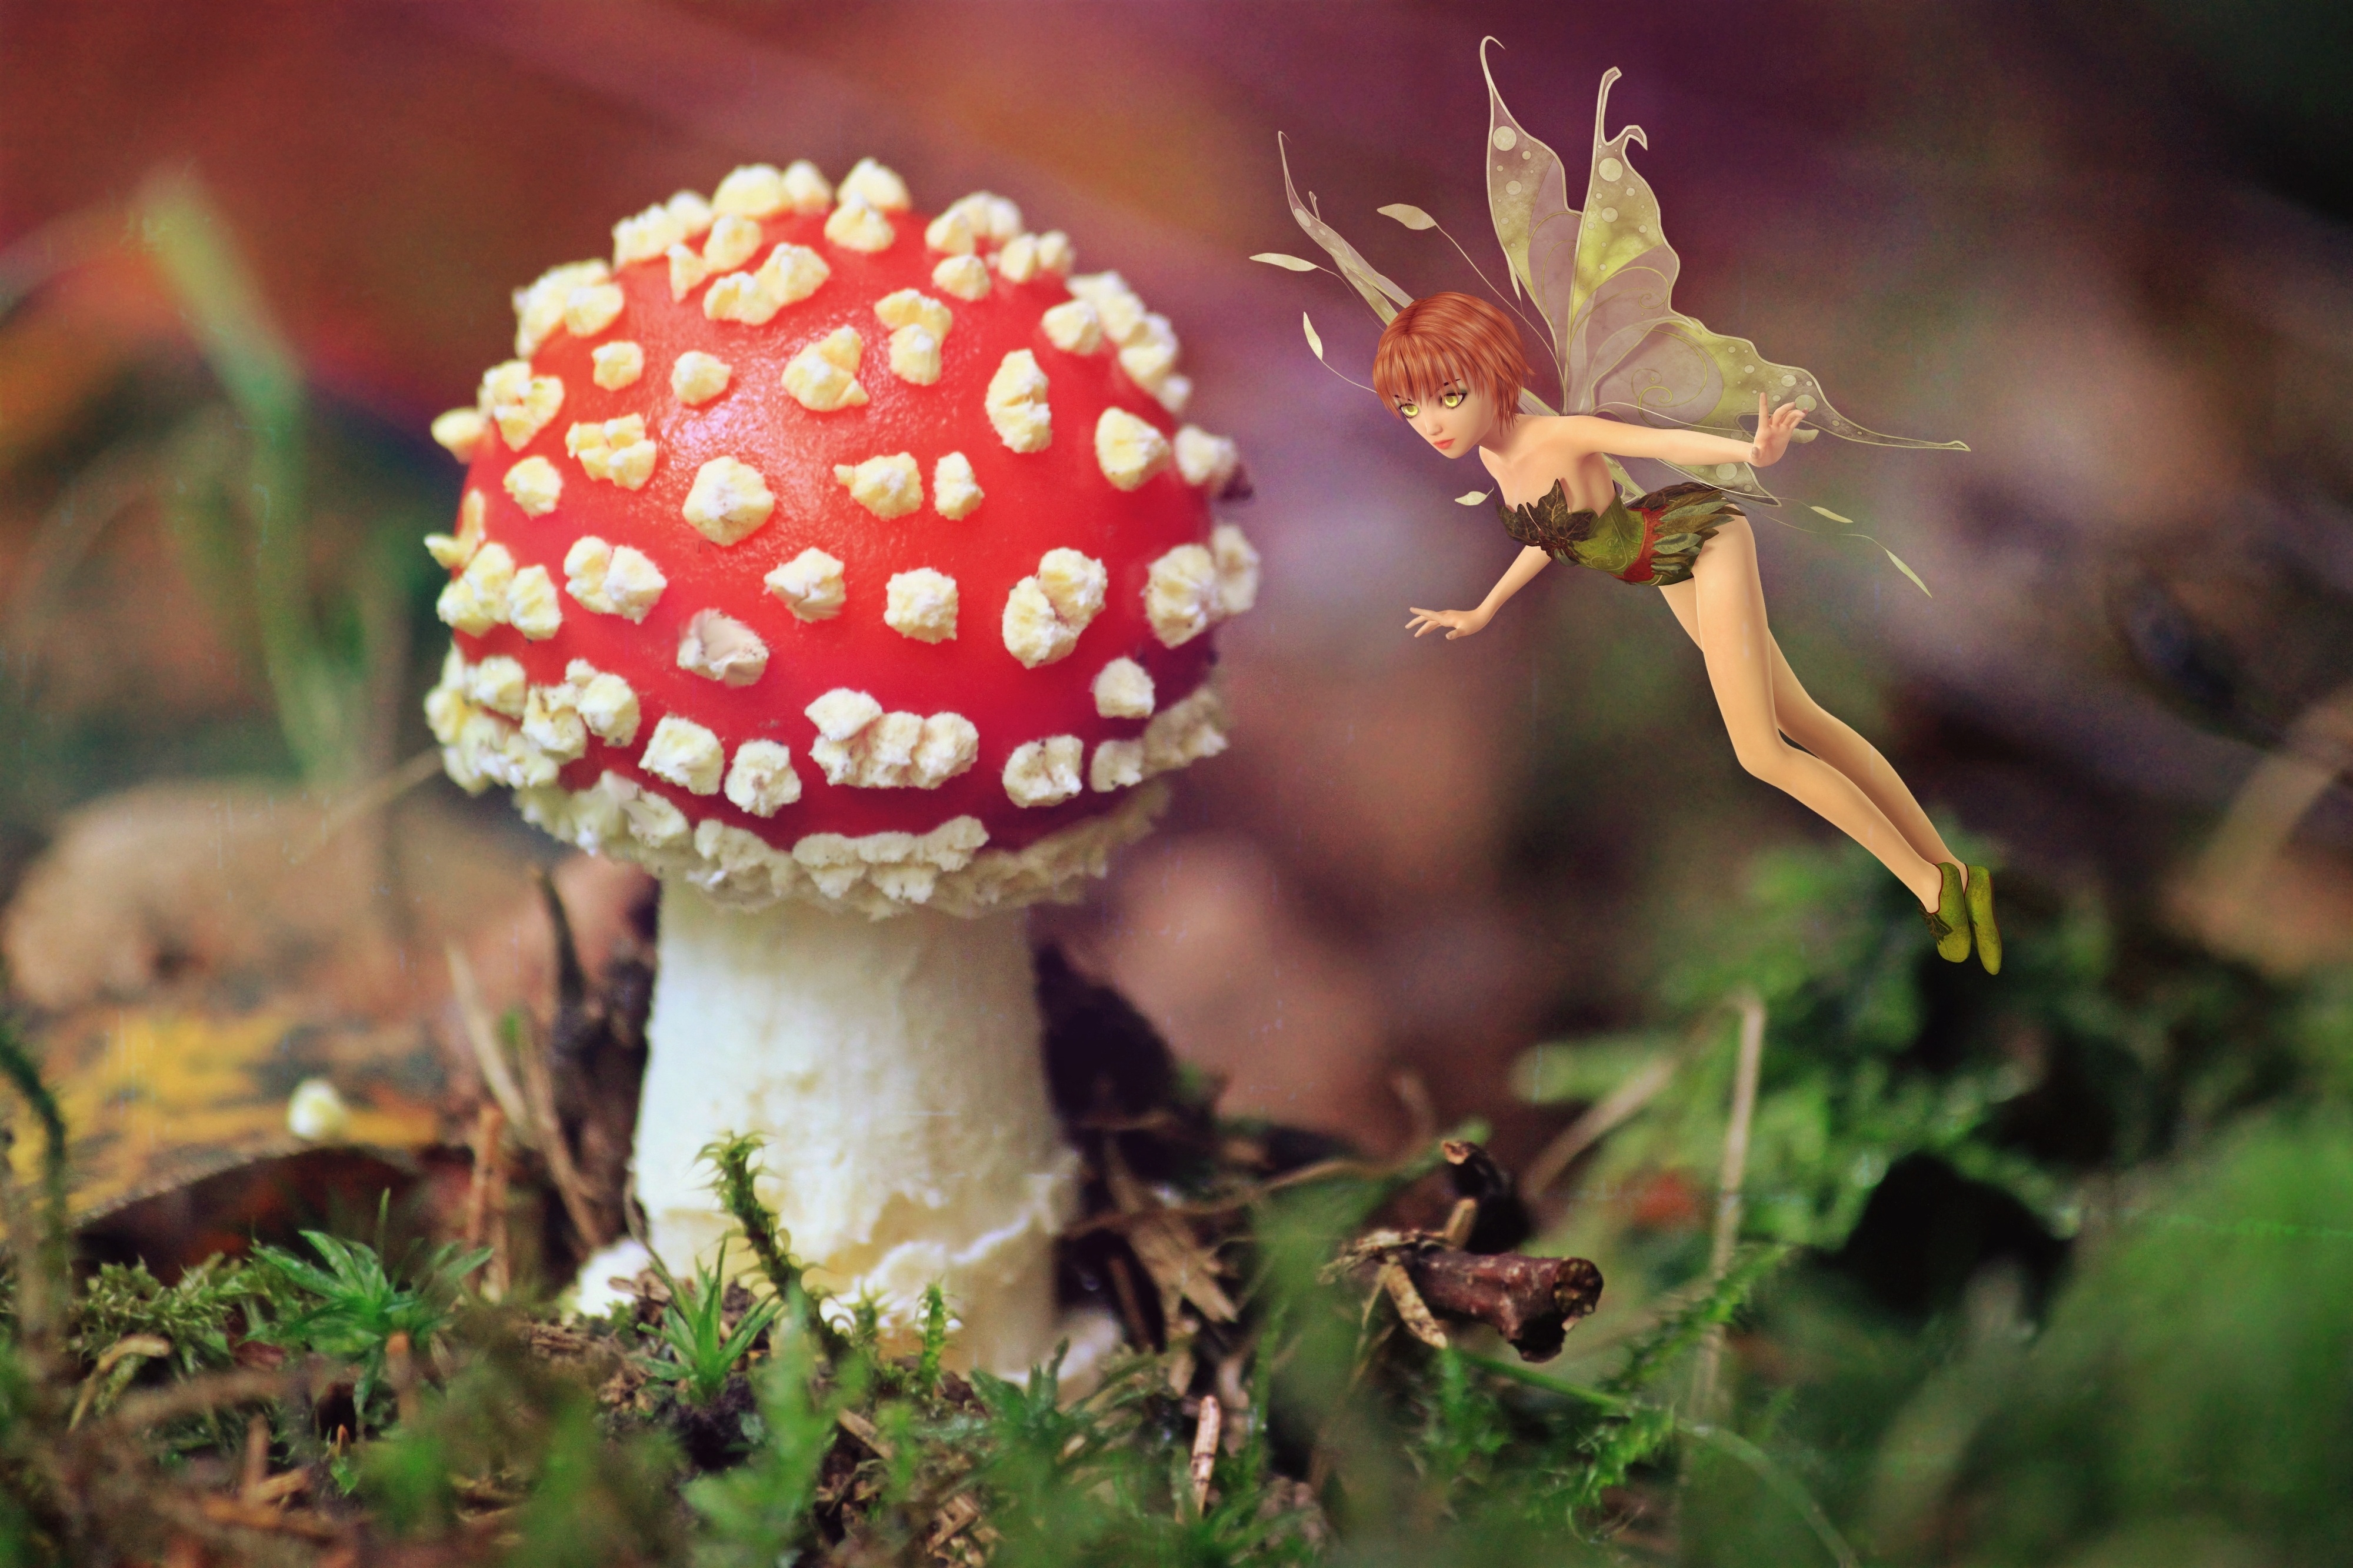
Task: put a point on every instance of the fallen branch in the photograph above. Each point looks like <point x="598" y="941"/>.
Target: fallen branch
<point x="1532" y="1302"/>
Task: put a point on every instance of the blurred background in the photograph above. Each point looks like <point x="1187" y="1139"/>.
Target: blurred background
<point x="247" y="253"/>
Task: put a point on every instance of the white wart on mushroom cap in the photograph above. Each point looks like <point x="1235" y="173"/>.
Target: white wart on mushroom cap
<point x="791" y="455"/>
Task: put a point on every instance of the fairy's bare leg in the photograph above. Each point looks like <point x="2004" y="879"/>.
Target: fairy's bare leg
<point x="1726" y="604"/>
<point x="1829" y="737"/>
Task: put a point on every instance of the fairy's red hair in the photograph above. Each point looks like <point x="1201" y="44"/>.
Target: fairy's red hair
<point x="1444" y="340"/>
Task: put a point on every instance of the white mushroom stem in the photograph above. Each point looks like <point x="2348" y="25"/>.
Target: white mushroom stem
<point x="894" y="1070"/>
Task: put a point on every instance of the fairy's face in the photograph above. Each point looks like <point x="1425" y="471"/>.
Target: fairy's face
<point x="1454" y="418"/>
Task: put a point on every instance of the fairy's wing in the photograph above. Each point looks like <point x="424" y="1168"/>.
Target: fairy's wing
<point x="1384" y="297"/>
<point x="1604" y="279"/>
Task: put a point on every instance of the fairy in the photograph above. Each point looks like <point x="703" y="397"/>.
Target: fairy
<point x="1650" y="392"/>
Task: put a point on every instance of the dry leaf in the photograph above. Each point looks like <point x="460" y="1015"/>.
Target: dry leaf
<point x="1907" y="570"/>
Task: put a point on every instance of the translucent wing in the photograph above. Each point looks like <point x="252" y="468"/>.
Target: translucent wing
<point x="1527" y="196"/>
<point x="1384" y="297"/>
<point x="1606" y="294"/>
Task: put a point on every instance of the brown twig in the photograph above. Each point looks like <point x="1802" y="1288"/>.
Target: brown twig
<point x="371" y="797"/>
<point x="1411" y="1310"/>
<point x="213" y="1391"/>
<point x="1205" y="1452"/>
<point x="486" y="1197"/>
<point x="1165" y="1244"/>
<point x="1532" y="1302"/>
<point x="482" y="1040"/>
<point x="539" y="1093"/>
<point x="400" y="1371"/>
<point x="1422" y="1111"/>
<point x="151" y="1346"/>
<point x="256" y="1466"/>
<point x="868" y="1435"/>
<point x="244" y="1515"/>
<point x="953" y="1518"/>
<point x="1604" y="1117"/>
<point x="1731" y="1176"/>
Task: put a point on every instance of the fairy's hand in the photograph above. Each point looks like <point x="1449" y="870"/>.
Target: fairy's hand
<point x="1457" y="623"/>
<point x="1773" y="432"/>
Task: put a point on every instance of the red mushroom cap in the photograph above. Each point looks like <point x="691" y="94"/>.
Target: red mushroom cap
<point x="663" y="566"/>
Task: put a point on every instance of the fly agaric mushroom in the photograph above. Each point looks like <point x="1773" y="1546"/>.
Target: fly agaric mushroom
<point x="848" y="569"/>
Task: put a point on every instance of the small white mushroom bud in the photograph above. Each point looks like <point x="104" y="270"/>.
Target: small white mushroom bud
<point x="316" y="1114"/>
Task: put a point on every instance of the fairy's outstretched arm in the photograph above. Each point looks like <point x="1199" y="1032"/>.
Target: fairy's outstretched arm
<point x="1465" y="622"/>
<point x="1584" y="433"/>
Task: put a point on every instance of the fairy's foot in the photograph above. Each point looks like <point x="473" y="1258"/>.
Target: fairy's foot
<point x="1948" y="922"/>
<point x="1979" y="897"/>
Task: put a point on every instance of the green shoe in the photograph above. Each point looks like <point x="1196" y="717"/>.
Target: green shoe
<point x="1981" y="926"/>
<point x="1950" y="921"/>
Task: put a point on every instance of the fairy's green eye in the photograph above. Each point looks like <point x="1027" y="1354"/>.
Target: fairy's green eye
<point x="1410" y="410"/>
<point x="1453" y="399"/>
